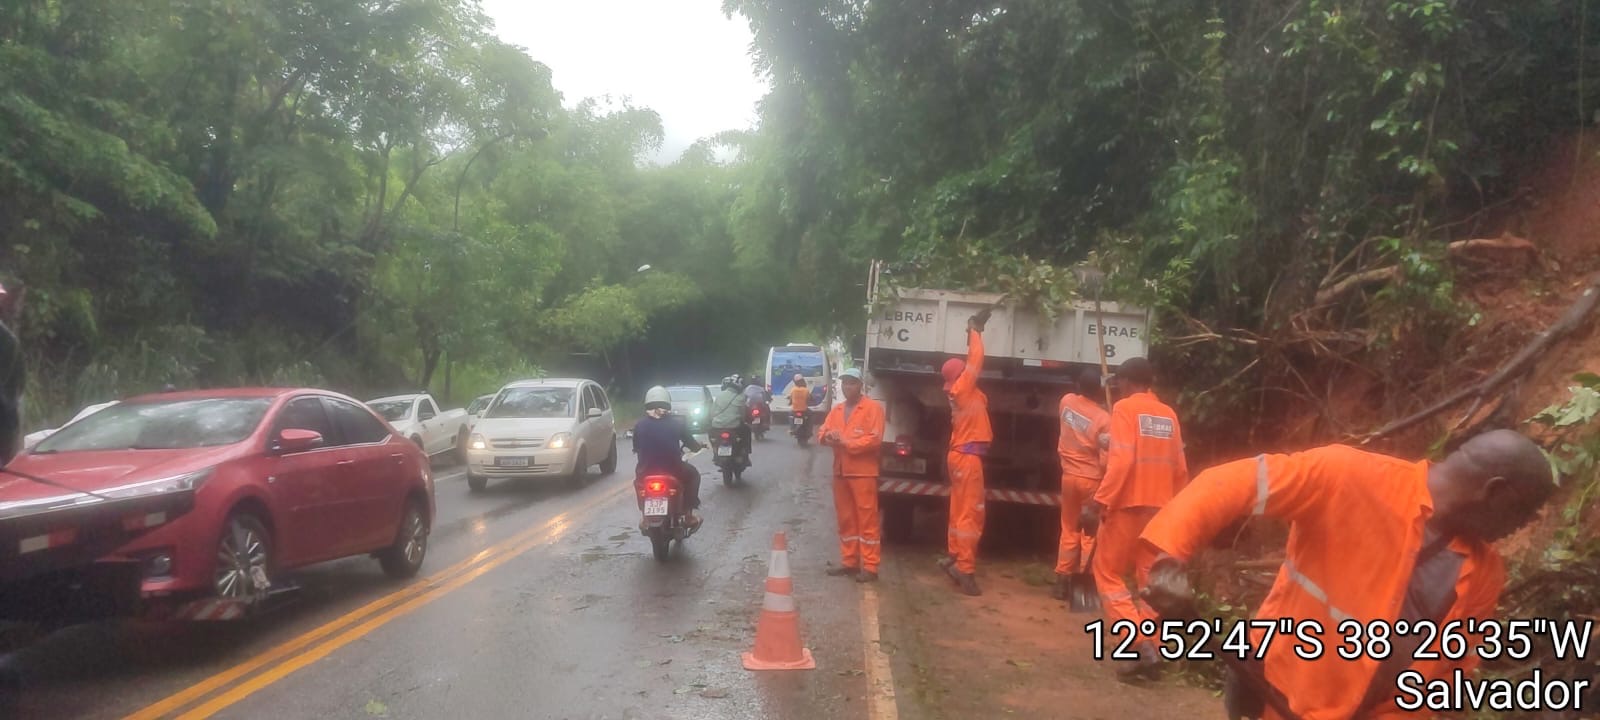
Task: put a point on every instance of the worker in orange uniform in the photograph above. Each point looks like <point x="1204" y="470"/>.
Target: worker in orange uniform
<point x="854" y="429"/>
<point x="1145" y="468"/>
<point x="1371" y="538"/>
<point x="1085" y="437"/>
<point x="970" y="436"/>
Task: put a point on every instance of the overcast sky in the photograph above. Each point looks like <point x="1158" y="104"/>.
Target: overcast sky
<point x="681" y="58"/>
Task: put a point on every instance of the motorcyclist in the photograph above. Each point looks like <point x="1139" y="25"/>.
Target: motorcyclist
<point x="659" y="439"/>
<point x="755" y="396"/>
<point x="800" y="400"/>
<point x="728" y="410"/>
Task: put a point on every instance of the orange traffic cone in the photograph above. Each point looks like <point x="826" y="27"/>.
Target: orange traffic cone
<point x="778" y="629"/>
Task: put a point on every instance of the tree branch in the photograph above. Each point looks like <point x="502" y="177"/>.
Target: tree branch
<point x="1327" y="295"/>
<point x="1563" y="326"/>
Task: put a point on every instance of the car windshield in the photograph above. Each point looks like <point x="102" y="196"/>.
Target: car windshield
<point x="687" y="394"/>
<point x="532" y="402"/>
<point x="392" y="410"/>
<point x="172" y="425"/>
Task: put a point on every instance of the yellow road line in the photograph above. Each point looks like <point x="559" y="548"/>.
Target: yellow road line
<point x="880" y="677"/>
<point x="282" y="670"/>
<point x="435" y="585"/>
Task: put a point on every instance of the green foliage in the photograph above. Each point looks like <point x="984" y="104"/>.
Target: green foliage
<point x="370" y="196"/>
<point x="1575" y="455"/>
<point x="1228" y="164"/>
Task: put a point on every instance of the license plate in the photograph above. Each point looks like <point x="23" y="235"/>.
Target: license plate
<point x="655" y="507"/>
<point x="798" y="421"/>
<point x="724" y="451"/>
<point x="511" y="462"/>
<point x="906" y="465"/>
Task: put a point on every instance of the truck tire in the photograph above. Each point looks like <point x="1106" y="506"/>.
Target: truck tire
<point x="898" y="516"/>
<point x="461" y="446"/>
<point x="476" y="483"/>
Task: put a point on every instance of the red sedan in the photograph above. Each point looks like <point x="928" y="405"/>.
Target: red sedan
<point x="282" y="478"/>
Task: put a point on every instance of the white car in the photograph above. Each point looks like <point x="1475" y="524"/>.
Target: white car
<point x="476" y="408"/>
<point x="32" y="439"/>
<point x="543" y="428"/>
<point x="418" y="418"/>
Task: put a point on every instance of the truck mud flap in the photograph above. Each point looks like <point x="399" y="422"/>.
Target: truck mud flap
<point x="894" y="486"/>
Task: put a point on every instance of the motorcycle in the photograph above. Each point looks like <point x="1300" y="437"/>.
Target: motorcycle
<point x="665" y="516"/>
<point x="728" y="456"/>
<point x="760" y="420"/>
<point x="802" y="429"/>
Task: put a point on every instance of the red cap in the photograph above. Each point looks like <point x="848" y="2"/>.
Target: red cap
<point x="952" y="371"/>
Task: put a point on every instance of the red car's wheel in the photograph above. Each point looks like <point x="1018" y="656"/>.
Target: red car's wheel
<point x="404" y="558"/>
<point x="244" y="560"/>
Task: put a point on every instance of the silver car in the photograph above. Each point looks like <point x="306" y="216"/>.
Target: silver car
<point x="693" y="402"/>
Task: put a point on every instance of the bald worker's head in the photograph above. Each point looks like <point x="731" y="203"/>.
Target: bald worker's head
<point x="1490" y="486"/>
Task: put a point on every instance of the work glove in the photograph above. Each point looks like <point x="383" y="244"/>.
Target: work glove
<point x="1089" y="518"/>
<point x="1168" y="591"/>
<point x="978" y="321"/>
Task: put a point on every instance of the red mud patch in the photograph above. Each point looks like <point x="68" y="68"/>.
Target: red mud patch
<point x="1012" y="652"/>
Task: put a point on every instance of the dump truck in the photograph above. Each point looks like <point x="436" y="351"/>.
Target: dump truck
<point x="1030" y="361"/>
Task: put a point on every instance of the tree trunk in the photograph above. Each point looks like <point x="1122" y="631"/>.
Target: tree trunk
<point x="449" y="362"/>
<point x="430" y="363"/>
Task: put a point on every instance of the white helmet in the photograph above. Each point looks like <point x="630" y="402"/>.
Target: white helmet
<point x="657" y="397"/>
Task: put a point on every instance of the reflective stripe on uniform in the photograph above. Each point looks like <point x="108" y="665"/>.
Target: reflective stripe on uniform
<point x="865" y="541"/>
<point x="1261" y="485"/>
<point x="1314" y="590"/>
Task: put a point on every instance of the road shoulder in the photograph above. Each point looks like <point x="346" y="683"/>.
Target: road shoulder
<point x="1013" y="651"/>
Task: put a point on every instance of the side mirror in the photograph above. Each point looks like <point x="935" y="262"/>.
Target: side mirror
<point x="293" y="440"/>
<point x="594" y="413"/>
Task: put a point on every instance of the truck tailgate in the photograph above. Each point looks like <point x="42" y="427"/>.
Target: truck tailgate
<point x="934" y="321"/>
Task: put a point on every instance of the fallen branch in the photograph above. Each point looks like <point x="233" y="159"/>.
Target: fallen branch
<point x="1569" y="321"/>
<point x="1354" y="281"/>
<point x="1504" y="242"/>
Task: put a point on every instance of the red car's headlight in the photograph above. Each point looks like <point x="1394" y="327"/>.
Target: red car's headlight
<point x="186" y="481"/>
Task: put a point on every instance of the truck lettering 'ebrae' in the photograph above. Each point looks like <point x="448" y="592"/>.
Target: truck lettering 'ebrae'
<point x="1030" y="363"/>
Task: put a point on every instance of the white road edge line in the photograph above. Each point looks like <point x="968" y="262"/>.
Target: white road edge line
<point x="880" y="677"/>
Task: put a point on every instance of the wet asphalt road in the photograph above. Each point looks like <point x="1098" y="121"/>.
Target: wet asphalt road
<point x="573" y="620"/>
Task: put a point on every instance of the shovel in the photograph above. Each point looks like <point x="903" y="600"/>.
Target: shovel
<point x="1085" y="598"/>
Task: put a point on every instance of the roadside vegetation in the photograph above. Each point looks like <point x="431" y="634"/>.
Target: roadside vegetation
<point x="379" y="195"/>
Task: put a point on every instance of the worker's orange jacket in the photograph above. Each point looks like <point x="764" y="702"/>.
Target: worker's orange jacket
<point x="1085" y="437"/>
<point x="969" y="407"/>
<point x="1355" y="527"/>
<point x="860" y="438"/>
<point x="1145" y="466"/>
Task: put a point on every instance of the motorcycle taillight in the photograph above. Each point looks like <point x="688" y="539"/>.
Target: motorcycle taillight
<point x="902" y="445"/>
